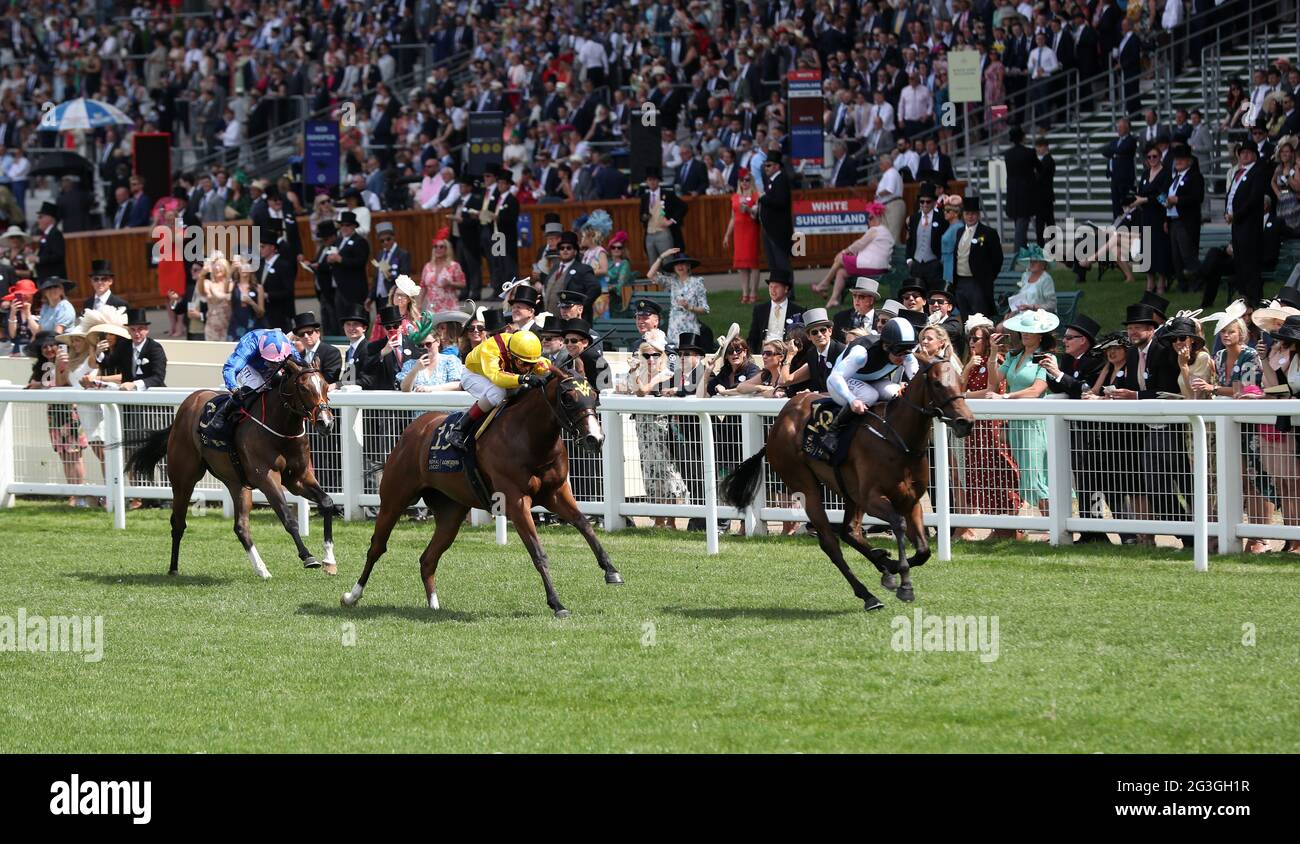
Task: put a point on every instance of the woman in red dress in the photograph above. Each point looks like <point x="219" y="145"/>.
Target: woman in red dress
<point x="171" y="266"/>
<point x="991" y="480"/>
<point x="742" y="230"/>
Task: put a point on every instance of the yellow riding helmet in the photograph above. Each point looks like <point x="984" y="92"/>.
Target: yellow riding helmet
<point x="525" y="347"/>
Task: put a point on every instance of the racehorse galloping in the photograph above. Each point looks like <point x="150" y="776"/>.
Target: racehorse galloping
<point x="885" y="476"/>
<point x="272" y="450"/>
<point x="521" y="456"/>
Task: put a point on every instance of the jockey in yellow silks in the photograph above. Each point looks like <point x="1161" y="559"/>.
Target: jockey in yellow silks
<point x="501" y="362"/>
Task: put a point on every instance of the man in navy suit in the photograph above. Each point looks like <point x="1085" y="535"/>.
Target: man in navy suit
<point x="140" y="204"/>
<point x="844" y="168"/>
<point x="1119" y="155"/>
<point x="610" y="181"/>
<point x="1128" y="57"/>
<point x="935" y="166"/>
<point x="692" y="175"/>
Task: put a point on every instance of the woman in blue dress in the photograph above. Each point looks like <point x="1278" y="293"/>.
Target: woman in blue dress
<point x="948" y="245"/>
<point x="1026" y="379"/>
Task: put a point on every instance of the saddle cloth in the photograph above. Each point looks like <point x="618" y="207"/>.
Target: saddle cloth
<point x="820" y="420"/>
<point x="445" y="458"/>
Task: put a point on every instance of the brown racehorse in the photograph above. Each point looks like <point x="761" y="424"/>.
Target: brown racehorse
<point x="272" y="449"/>
<point x="522" y="459"/>
<point x="885" y="476"/>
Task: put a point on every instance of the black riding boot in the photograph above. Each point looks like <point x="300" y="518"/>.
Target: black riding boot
<point x="462" y="436"/>
<point x="831" y="439"/>
<point x="237" y="398"/>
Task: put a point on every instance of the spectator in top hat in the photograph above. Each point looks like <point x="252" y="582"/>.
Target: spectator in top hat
<point x="349" y="266"/>
<point x="522" y="301"/>
<point x="977" y="262"/>
<point x="306" y="332"/>
<point x="587" y="359"/>
<point x="498" y="216"/>
<point x="101" y="280"/>
<point x="1244" y="211"/>
<point x="50" y="250"/>
<point x="775" y="216"/>
<point x="939" y="301"/>
<point x="862" y="314"/>
<point x="662" y="212"/>
<point x="494" y="321"/>
<point x="356" y="325"/>
<point x="573" y="275"/>
<point x="386" y="357"/>
<point x="549" y="252"/>
<point x="323" y="274"/>
<point x="1022" y="181"/>
<point x="925" y="231"/>
<point x="141" y="364"/>
<point x="1183" y="210"/>
<point x="390" y="262"/>
<point x="812" y="365"/>
<point x="277" y="274"/>
<point x="769" y="317"/>
<point x="692" y="377"/>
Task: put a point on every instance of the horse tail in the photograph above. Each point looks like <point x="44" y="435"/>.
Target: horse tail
<point x="740" y="487"/>
<point x="150" y="453"/>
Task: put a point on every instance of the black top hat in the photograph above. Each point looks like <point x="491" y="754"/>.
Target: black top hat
<point x="348" y="218"/>
<point x="690" y="342"/>
<point x="1086" y="326"/>
<point x="50" y="209"/>
<point x="575" y="326"/>
<point x="548" y="327"/>
<point x="55" y="281"/>
<point x="774" y="157"/>
<point x="680" y="258"/>
<point x="506" y="175"/>
<point x="1182" y="151"/>
<point x="1158" y="303"/>
<point x="927" y="191"/>
<point x="916" y="318"/>
<point x="137" y="316"/>
<point x="356" y="314"/>
<point x="326" y="228"/>
<point x="914" y="284"/>
<point x="1140" y="314"/>
<point x="649" y="306"/>
<point x="1247" y="145"/>
<point x="937" y="287"/>
<point x="389" y="316"/>
<point x="1289" y="330"/>
<point x="568" y="237"/>
<point x="306" y="319"/>
<point x="100" y="266"/>
<point x="524" y="294"/>
<point x="780" y="277"/>
<point x="494" y="321"/>
<point x="550" y="217"/>
<point x="970" y="203"/>
<point x="572" y="297"/>
<point x="654" y="171"/>
<point x="1289" y="296"/>
<point x="492" y="169"/>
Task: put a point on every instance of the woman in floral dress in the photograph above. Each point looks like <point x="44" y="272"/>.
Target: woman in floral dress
<point x="651" y="376"/>
<point x="442" y="280"/>
<point x="685" y="291"/>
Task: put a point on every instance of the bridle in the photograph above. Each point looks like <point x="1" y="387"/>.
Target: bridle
<point x="935" y="411"/>
<point x="567" y="422"/>
<point x="291" y="399"/>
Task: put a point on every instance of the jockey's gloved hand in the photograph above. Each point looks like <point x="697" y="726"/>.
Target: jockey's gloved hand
<point x="529" y="380"/>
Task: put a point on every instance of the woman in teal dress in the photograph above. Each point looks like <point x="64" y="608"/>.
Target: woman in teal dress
<point x="948" y="244"/>
<point x="1026" y="379"/>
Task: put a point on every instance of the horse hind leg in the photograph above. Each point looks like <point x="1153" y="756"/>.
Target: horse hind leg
<point x="243" y="501"/>
<point x="829" y="541"/>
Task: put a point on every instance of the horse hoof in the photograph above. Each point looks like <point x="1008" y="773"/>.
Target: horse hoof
<point x="561" y="613"/>
<point x="311" y="563"/>
<point x="889" y="581"/>
<point x="172" y="572"/>
<point x="872" y="603"/>
<point x="330" y="569"/>
<point x="613" y="578"/>
<point x="905" y="593"/>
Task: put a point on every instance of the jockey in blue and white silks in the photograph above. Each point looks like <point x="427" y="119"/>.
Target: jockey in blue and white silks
<point x="250" y="366"/>
<point x="867" y="371"/>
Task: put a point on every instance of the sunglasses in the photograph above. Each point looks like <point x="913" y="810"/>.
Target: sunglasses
<point x="307" y="331"/>
<point x="476" y="328"/>
<point x="428" y="345"/>
<point x="771" y="354"/>
<point x="815" y="332"/>
<point x="735" y="351"/>
<point x="574" y="339"/>
<point x="652" y="355"/>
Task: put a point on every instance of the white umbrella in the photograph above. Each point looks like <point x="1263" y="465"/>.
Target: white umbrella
<point x="82" y="113"/>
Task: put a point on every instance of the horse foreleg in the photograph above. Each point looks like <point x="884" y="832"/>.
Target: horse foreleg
<point x="882" y="509"/>
<point x="309" y="489"/>
<point x="562" y="504"/>
<point x="917" y="533"/>
<point x="270" y="487"/>
<point x="830" y="545"/>
<point x="878" y="557"/>
<point x="242" y="499"/>
<point x="449" y="516"/>
<point x="518" y="508"/>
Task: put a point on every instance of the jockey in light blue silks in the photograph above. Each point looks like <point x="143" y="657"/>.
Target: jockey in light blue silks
<point x="866" y="371"/>
<point x="249" y="369"/>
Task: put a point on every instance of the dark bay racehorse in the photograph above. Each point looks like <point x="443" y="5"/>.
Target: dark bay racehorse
<point x="883" y="476"/>
<point x="272" y="450"/>
<point x="523" y="460"/>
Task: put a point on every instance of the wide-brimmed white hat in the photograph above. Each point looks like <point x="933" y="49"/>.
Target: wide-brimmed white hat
<point x="1271" y="318"/>
<point x="14" y="231"/>
<point x="408" y="286"/>
<point x="1226" y="317"/>
<point x="1033" y="322"/>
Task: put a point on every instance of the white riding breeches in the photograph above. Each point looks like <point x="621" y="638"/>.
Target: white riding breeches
<point x="251" y="378"/>
<point x="482" y="388"/>
<point x="873" y="391"/>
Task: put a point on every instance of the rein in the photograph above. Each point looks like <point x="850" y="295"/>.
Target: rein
<point x="561" y="415"/>
<point x="934" y="412"/>
<point x="291" y="400"/>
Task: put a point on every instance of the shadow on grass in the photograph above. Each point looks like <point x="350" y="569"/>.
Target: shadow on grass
<point x="408" y="613"/>
<point x="159" y="579"/>
<point x="766" y="613"/>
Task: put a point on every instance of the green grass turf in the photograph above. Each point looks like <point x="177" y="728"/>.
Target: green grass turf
<point x="1104" y="300"/>
<point x="759" y="649"/>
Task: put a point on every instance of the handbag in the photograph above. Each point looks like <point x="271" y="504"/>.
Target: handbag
<point x="1288" y="208"/>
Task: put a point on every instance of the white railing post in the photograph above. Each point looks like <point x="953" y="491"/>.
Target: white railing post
<point x="304" y="516"/>
<point x="710" y="484"/>
<point x="115" y="464"/>
<point x="751" y="437"/>
<point x="502" y="536"/>
<point x="350" y="448"/>
<point x="1200" y="494"/>
<point x="1230" y="475"/>
<point x="943" y="503"/>
<point x="611" y="421"/>
<point x="8" y="454"/>
<point x="1060" y="480"/>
